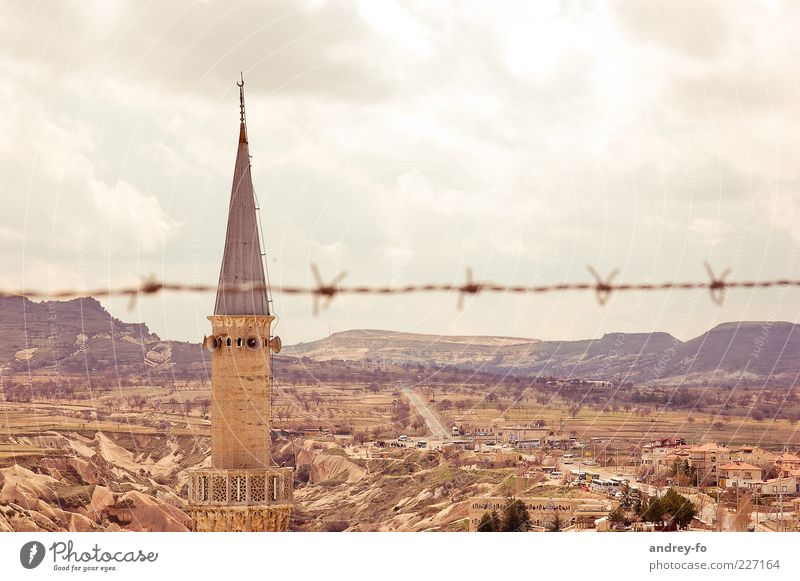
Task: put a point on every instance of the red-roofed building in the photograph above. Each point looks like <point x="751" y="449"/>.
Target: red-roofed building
<point x="786" y="463"/>
<point x="739" y="474"/>
<point x="707" y="458"/>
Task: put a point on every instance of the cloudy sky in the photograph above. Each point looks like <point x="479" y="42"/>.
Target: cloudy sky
<point x="404" y="142"/>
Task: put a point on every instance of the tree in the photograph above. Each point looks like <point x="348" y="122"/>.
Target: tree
<point x="557" y="524"/>
<point x="138" y="401"/>
<point x="771" y="471"/>
<point x="486" y="525"/>
<point x="637" y="504"/>
<point x="516" y="517"/>
<point x="489" y="523"/>
<point x="720" y="516"/>
<point x="628" y="497"/>
<point x="654" y="512"/>
<point x="617" y="516"/>
<point x="205" y="406"/>
<point x="744" y="511"/>
<point x="680" y="509"/>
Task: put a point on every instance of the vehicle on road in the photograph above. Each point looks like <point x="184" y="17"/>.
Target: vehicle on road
<point x="422" y="444"/>
<point x="402" y="438"/>
<point x="578" y="474"/>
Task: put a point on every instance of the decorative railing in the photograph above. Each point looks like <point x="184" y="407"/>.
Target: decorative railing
<point x="209" y="486"/>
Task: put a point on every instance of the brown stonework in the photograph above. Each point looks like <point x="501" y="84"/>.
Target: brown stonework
<point x="240" y="392"/>
<point x="241" y="519"/>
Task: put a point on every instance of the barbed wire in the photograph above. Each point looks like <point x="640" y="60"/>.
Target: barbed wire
<point x="324" y="293"/>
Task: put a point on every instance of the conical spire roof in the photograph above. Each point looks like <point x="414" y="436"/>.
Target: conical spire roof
<point x="242" y="262"/>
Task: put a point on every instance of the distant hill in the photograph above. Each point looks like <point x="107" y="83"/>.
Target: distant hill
<point x="613" y="354"/>
<point x="358" y="345"/>
<point x="80" y="336"/>
<point x="746" y="354"/>
<point x="750" y="351"/>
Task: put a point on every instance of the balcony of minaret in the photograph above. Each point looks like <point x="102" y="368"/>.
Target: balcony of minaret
<point x="215" y="487"/>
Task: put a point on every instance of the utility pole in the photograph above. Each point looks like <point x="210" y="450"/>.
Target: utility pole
<point x="755" y="494"/>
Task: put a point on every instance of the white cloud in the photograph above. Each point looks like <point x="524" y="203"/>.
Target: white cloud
<point x="709" y="231"/>
<point x="65" y="205"/>
<point x="127" y="215"/>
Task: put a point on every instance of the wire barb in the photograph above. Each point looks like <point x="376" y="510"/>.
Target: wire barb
<point x="603" y="288"/>
<point x="717" y="285"/>
<point x="328" y="291"/>
<point x="470" y="287"/>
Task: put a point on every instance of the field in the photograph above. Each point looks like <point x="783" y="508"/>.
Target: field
<point x="635" y="427"/>
<point x="370" y="407"/>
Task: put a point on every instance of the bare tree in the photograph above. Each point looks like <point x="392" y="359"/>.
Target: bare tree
<point x="744" y="514"/>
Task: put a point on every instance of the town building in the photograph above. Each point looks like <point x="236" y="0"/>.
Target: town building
<point x="532" y="435"/>
<point x="495" y="459"/>
<point x="783" y="485"/>
<point x="242" y="490"/>
<point x="753" y="455"/>
<point x="586" y="383"/>
<point x="658" y="458"/>
<point x="739" y="475"/>
<point x="706" y="459"/>
<point x="526" y="435"/>
<point x="661" y="455"/>
<point x="599" y="383"/>
<point x="787" y="463"/>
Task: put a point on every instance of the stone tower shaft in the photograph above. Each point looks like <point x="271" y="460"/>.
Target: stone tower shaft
<point x="240" y="386"/>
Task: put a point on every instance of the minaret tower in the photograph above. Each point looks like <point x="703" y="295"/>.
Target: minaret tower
<point x="243" y="490"/>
